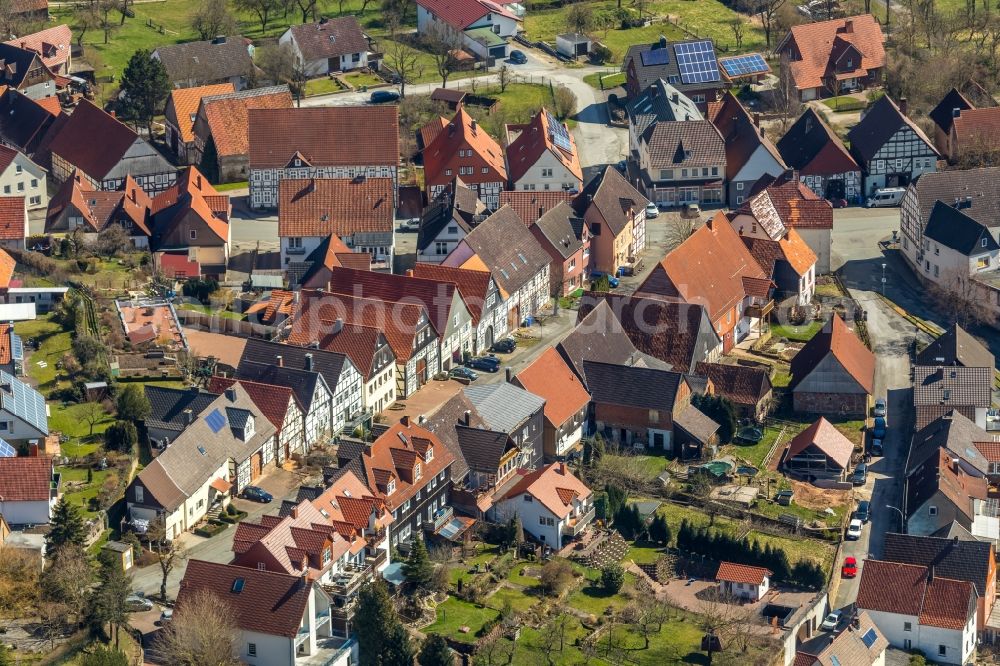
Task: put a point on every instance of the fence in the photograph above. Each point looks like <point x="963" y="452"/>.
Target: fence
<point x="217" y="324"/>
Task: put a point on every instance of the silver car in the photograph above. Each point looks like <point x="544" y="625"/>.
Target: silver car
<point x="881" y="408"/>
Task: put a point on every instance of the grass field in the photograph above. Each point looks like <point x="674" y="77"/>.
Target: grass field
<point x="323" y="86"/>
<point x="844" y="103"/>
<point x="802" y="333"/>
<point x="454" y="614"/>
<point x="53" y="341"/>
<point x="360" y="79"/>
<point x="605" y="81"/>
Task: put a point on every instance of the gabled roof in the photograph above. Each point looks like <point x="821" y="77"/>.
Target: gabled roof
<point x="742" y="384"/>
<point x="660" y="102"/>
<point x="327" y="363"/>
<point x="473" y="285"/>
<point x="551" y="378"/>
<point x="598" y="336"/>
<point x="191" y="193"/>
<point x="358" y="343"/>
<point x="323" y="206"/>
<point x="977" y="129"/>
<point x="530" y="205"/>
<point x="953" y="432"/>
<point x="554" y="486"/>
<point x="562" y="229"/>
<point x="941" y="478"/>
<point x="460" y="14"/>
<point x="878" y="124"/>
<point x="741" y="136"/>
<point x="664" y="66"/>
<point x="98" y="207"/>
<point x="272" y="400"/>
<point x="329" y="38"/>
<point x="820" y="44"/>
<point x="13" y="218"/>
<point x="436" y="217"/>
<point x="16" y="63"/>
<point x="462" y="132"/>
<point x="943" y="114"/>
<point x="613" y="198"/>
<point x="837" y="339"/>
<point x="973" y="189"/>
<point x="186" y="102"/>
<point x="23" y="121"/>
<point x="483" y="449"/>
<point x="741" y="573"/>
<point x="535" y="139"/>
<point x="26" y="479"/>
<point x="688" y="143"/>
<point x="812" y="148"/>
<point x="905" y="589"/>
<point x="294" y="543"/>
<point x="302" y="382"/>
<point x="24" y="402"/>
<point x="631" y="386"/>
<point x="952" y="228"/>
<point x="797" y="206"/>
<point x="503" y="407"/>
<point x="956" y="346"/>
<point x="823" y="436"/>
<point x="510" y="252"/>
<point x="791" y="248"/>
<point x="861" y="645"/>
<point x="168" y="406"/>
<point x="324" y="136"/>
<point x="7" y="265"/>
<point x="347" y="500"/>
<point x="953" y="385"/>
<point x="957" y="559"/>
<point x="227" y="116"/>
<point x="74" y="141"/>
<point x="265" y="602"/>
<point x="444" y="422"/>
<point x="207" y="60"/>
<point x="52" y="45"/>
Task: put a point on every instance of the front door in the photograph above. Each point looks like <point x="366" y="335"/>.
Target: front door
<point x="422" y="371"/>
<point x="835" y="189"/>
<point x="255" y="464"/>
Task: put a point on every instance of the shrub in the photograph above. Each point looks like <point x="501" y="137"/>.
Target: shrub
<point x="555" y="577"/>
<point x="612" y="578"/>
<point x="210" y="529"/>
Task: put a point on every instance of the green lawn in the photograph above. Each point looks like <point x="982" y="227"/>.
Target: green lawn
<point x="454" y="614"/>
<point x="802" y="333"/>
<point x="69" y="420"/>
<point x="54" y="342"/>
<point x="643" y="553"/>
<point x="82" y="496"/>
<point x="605" y="81"/>
<point x="359" y="79"/>
<point x="323" y="86"/>
<point x="519" y="600"/>
<point x="209" y="310"/>
<point x="754" y="453"/>
<point x="844" y="104"/>
<point x="226" y="187"/>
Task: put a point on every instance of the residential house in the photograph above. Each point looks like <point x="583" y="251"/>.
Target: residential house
<point x="313" y="271"/>
<point x="742" y="581"/>
<point x="952" y="432"/>
<point x="446" y="221"/>
<point x="19" y="176"/>
<point x="460" y="147"/>
<point x="13" y="222"/>
<point x="780" y="251"/>
<point x="541" y="155"/>
<point x="11" y="351"/>
<point x="25" y="71"/>
<point x="328" y="45"/>
<point x="23" y="415"/>
<point x="688" y="65"/>
<point x="970" y="191"/>
<point x="359" y="211"/>
<point x="201" y="63"/>
<point x="971" y="560"/>
<point x="172" y="410"/>
<point x="566" y="238"/>
<point x="121" y="154"/>
<point x="941" y="389"/>
<point x="951" y="106"/>
<point x="834" y="373"/>
<point x="190" y="219"/>
<point x="444" y="421"/>
<point x="77" y="205"/>
<point x="504" y="247"/>
<point x="956" y="346"/>
<point x="504" y="407"/>
<point x="955" y="248"/>
<point x="443" y="301"/>
<point x="942" y="489"/>
<point x="532" y="204"/>
<point x="409" y="470"/>
<point x="890" y="148"/>
<point x="179" y="117"/>
<point x="801" y="209"/>
<point x="342" y="142"/>
<point x="822" y="161"/>
<point x="833" y="57"/>
<point x="916" y="608"/>
<point x="859" y="643"/>
<point x="492" y="457"/>
<point x="658" y="102"/>
<point x="29" y="488"/>
<point x="24" y="123"/>
<point x="750" y="155"/>
<point x="566" y="401"/>
<point x="331" y="394"/>
<point x="281" y="619"/>
<point x="646" y="407"/>
<point x="615" y="214"/>
<point x="31" y="10"/>
<point x="480" y="27"/>
<point x="972" y="133"/>
<point x="407" y="327"/>
<point x="221" y="129"/>
<point x="482" y="296"/>
<point x="747" y="387"/>
<point x="53" y="46"/>
<point x="713" y="268"/>
<point x="681" y="335"/>
<point x="225" y="449"/>
<point x="279" y="405"/>
<point x="819" y="452"/>
<point x="554" y="506"/>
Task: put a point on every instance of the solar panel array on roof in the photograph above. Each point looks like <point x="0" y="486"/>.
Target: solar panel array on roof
<point x="869" y="638"/>
<point x="744" y="65"/>
<point x="6" y="450"/>
<point x="24" y="402"/>
<point x="215" y="420"/>
<point x="16" y="347"/>
<point x="655" y="57"/>
<point x="560" y="136"/>
<point x="696" y="62"/>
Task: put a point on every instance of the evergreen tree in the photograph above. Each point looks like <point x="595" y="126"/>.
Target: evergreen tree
<point x="144" y="88"/>
<point x="601" y="506"/>
<point x="121" y="436"/>
<point x="808" y="575"/>
<point x="418" y="568"/>
<point x="435" y="652"/>
<point x="107" y="604"/>
<point x="382" y="640"/>
<point x="612" y="578"/>
<point x="616" y="500"/>
<point x="518" y="531"/>
<point x="779" y="566"/>
<point x="133" y="405"/>
<point x="720" y="410"/>
<point x="103" y="656"/>
<point x="638" y="524"/>
<point x="66" y="526"/>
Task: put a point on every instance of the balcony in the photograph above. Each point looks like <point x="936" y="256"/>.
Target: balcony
<point x="328" y="651"/>
<point x="577" y="525"/>
<point x="350" y="580"/>
<point x="759" y="311"/>
<point x="441" y="518"/>
<point x="377" y="560"/>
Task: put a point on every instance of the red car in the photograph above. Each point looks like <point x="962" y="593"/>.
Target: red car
<point x="850" y="568"/>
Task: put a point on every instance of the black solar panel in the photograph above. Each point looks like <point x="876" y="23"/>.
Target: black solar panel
<point x="752" y="63"/>
<point x="655" y="57"/>
<point x="696" y="62"/>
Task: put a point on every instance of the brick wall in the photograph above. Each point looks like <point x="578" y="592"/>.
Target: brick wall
<point x="848" y="404"/>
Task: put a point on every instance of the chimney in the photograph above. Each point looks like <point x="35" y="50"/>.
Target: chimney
<point x="405" y="421"/>
<point x="451" y="128"/>
<point x="309" y="362"/>
<point x="421" y="419"/>
<point x="954" y="541"/>
<point x="280" y="360"/>
<point x="294" y="513"/>
<point x="562" y="468"/>
<point x="663" y="41"/>
<point x="338" y="326"/>
<point x="231" y="394"/>
<point x="467" y="418"/>
<point x="131" y="195"/>
<point x="474" y="125"/>
<point x="114" y="114"/>
<point x="24" y="45"/>
<point x="188" y="416"/>
<point x="902" y="105"/>
<point x="954" y="465"/>
<point x="509" y="374"/>
<point x="849" y="26"/>
<point x="197" y="182"/>
<point x="675" y="98"/>
<point x="756" y="119"/>
<point x="541" y="211"/>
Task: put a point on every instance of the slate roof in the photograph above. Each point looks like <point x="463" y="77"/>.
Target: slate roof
<point x="613" y="197"/>
<point x="325" y="136"/>
<point x="976" y="187"/>
<point x="534" y="140"/>
<point x="812" y="148"/>
<point x="444" y="422"/>
<point x="74" y="140"/>
<point x="560" y="227"/>
<point x="743" y="385"/>
<point x="953" y="432"/>
<point x="302" y="382"/>
<point x="630" y="386"/>
<point x="329" y="38"/>
<point x="551" y="378"/>
<point x="268" y="602"/>
<point x="741" y="136"/>
<point x="741" y="573"/>
<point x="227" y="116"/>
<point x="837" y="339"/>
<point x="681" y="144"/>
<point x="23" y="121"/>
<point x="823" y="436"/>
<point x="271" y="399"/>
<point x="167" y="406"/>
<point x="954" y="229"/>
<point x="647" y="74"/>
<point x="323" y="206"/>
<point x="952" y="558"/>
<point x="528" y="204"/>
<point x="186" y="102"/>
<point x="554" y="486"/>
<point x="939" y="477"/>
<point x="660" y="102"/>
<point x="904" y="589"/>
<point x="956" y="346"/>
<point x="327" y="363"/>
<point x="943" y="114"/>
<point x="511" y="253"/>
<point x="483" y="449"/>
<point x="26" y="479"/>
<point x="206" y="61"/>
<point x="434" y="219"/>
<point x="503" y="407"/>
<point x="598" y="336"/>
<point x="24" y="402"/>
<point x="878" y="124"/>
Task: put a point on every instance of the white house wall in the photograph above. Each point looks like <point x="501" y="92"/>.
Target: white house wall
<point x="26" y="513"/>
<point x="561" y="178"/>
<point x="959" y="643"/>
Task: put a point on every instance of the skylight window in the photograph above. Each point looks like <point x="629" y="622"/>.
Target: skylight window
<point x="238" y="585"/>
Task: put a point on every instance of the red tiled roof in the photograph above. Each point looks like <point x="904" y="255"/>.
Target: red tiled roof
<point x="52" y="45"/>
<point x="534" y="140"/>
<point x="837" y="339"/>
<point x="990" y="450"/>
<point x="741" y="573"/>
<point x="800" y="207"/>
<point x="27" y="479"/>
<point x="976" y="129"/>
<point x="7" y="265"/>
<point x="460" y="14"/>
<point x="382" y="462"/>
<point x="228" y="119"/>
<point x="819" y="43"/>
<point x="324" y="206"/>
<point x="271" y="400"/>
<point x="743" y="385"/>
<point x="13" y="218"/>
<point x="349" y="501"/>
<point x="356" y="342"/>
<point x="473" y="285"/>
<point x="75" y="140"/>
<point x="826" y="438"/>
<point x="185" y="102"/>
<point x="552" y="486"/>
<point x="174" y="265"/>
<point x="463" y="133"/>
<point x="50" y="104"/>
<point x="5" y="351"/>
<point x="192" y="190"/>
<point x="742" y="137"/>
<point x="906" y="589"/>
<point x="549" y="377"/>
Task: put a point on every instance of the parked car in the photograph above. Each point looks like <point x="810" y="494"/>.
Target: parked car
<point x="860" y="475"/>
<point x="863" y="512"/>
<point x="850" y="568"/>
<point x="876" y="449"/>
<point x="886" y="197"/>
<point x="854" y="529"/>
<point x="878" y="430"/>
<point x="166" y="616"/>
<point x="881" y="407"/>
<point x="487" y="363"/>
<point x="517" y="57"/>
<point x="504" y="346"/>
<point x="784" y="497"/>
<point x="135" y="603"/>
<point x="384" y="97"/>
<point x="622" y="166"/>
<point x="257" y="494"/>
<point x="463" y="373"/>
<point x="652" y="211"/>
<point x="409" y="225"/>
<point x="831" y="621"/>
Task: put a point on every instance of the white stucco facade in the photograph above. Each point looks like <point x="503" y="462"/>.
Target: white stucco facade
<point x="942" y="646"/>
<point x="547" y="174"/>
<point x="24" y="178"/>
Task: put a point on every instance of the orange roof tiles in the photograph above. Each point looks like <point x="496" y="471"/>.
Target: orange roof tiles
<point x="50" y="104"/>
<point x="531" y="205"/>
<point x="272" y="400"/>
<point x="13" y="218"/>
<point x="7" y="264"/>
<point x="549" y="377"/>
<point x="52" y="45"/>
<point x="473" y="285"/>
<point x="463" y="133"/>
<point x="185" y="102"/>
<point x="826" y="438"/>
<point x="553" y="486"/>
<point x="228" y="119"/>
<point x="534" y="140"/>
<point x="820" y="43"/>
<point x="977" y="129"/>
<point x="741" y="573"/>
<point x="25" y="479"/>
<point x="907" y="589"/>
<point x="836" y="339"/>
<point x="193" y="190"/>
<point x="384" y="462"/>
<point x="324" y="206"/>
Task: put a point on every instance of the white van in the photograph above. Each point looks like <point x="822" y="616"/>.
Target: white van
<point x="886" y="197"/>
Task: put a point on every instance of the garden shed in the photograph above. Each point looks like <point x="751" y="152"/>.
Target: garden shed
<point x="572" y="44"/>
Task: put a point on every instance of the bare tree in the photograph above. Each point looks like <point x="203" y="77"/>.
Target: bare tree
<point x="92" y="413"/>
<point x="124" y="8"/>
<point x="548" y="641"/>
<point x="308" y="9"/>
<point x="442" y="44"/>
<point x="104" y="9"/>
<point x="494" y="650"/>
<point x="67" y="581"/>
<point x="402" y="59"/>
<point x="678" y="230"/>
<point x="786" y="95"/>
<point x="85" y="18"/>
<point x="201" y="633"/>
<point x="563" y="102"/>
<point x="739" y="30"/>
<point x="169" y="553"/>
<point x="767" y="12"/>
<point x="961" y="299"/>
<point x="263" y="9"/>
<point x="212" y="19"/>
<point x="579" y="18"/>
<point x="280" y="65"/>
<point x="505" y="75"/>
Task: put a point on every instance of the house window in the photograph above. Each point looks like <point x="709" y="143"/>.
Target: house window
<point x="294" y="242"/>
<point x="715" y="171"/>
<point x="440" y="247"/>
<point x="252" y="649"/>
<point x="907" y="626"/>
<point x="983" y="262"/>
<point x="698" y="99"/>
<point x="417" y="471"/>
<point x="932" y="511"/>
<point x="138" y="494"/>
<point x="666" y="174"/>
<point x="390" y="488"/>
<point x="34" y="183"/>
<point x="850" y="63"/>
<point x="17" y="168"/>
<point x="654" y="416"/>
<point x="485" y="170"/>
<point x="447" y="172"/>
<point x="546" y="173"/>
<point x="326" y="556"/>
<point x="739" y="187"/>
<point x="453" y="229"/>
<point x="528" y="498"/>
<point x="684" y="173"/>
<point x="193" y="234"/>
<point x="20" y="187"/>
<point x="942" y="650"/>
<point x="429" y="456"/>
<point x="983" y="242"/>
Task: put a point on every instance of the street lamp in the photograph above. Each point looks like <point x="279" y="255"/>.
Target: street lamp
<point x="902" y="521"/>
<point x="883" y="279"/>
